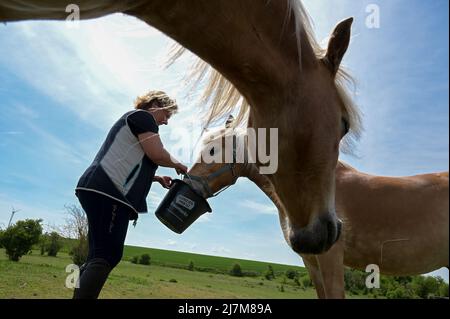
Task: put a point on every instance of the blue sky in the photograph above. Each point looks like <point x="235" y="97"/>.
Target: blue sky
<point x="62" y="88"/>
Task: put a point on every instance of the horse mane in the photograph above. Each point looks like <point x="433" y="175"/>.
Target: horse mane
<point x="220" y="97"/>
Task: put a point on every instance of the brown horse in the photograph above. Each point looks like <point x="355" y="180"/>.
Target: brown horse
<point x="266" y="56"/>
<point x="400" y="224"/>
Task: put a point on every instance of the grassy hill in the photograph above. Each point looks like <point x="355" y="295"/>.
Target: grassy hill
<point x="204" y="262"/>
<point x="36" y="276"/>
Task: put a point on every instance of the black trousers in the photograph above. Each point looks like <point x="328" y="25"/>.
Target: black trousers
<point x="108" y="224"/>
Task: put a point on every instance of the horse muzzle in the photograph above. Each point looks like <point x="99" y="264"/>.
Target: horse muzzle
<point x="318" y="237"/>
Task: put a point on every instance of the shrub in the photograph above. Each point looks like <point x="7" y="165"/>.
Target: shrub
<point x="19" y="239"/>
<point x="269" y="274"/>
<point x="54" y="244"/>
<point x="425" y="287"/>
<point x="145" y="259"/>
<point x="443" y="290"/>
<point x="1" y="234"/>
<point x="191" y="266"/>
<point x="134" y="259"/>
<point x="291" y="274"/>
<point x="306" y="281"/>
<point x="236" y="270"/>
<point x="400" y="293"/>
<point x="80" y="252"/>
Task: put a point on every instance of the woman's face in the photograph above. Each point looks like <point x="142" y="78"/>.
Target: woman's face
<point x="161" y="116"/>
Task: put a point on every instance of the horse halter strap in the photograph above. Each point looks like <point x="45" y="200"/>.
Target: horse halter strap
<point x="228" y="167"/>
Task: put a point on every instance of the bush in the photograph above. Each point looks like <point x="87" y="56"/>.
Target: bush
<point x="54" y="244"/>
<point x="306" y="281"/>
<point x="443" y="290"/>
<point x="1" y="234"/>
<point x="191" y="266"/>
<point x="400" y="293"/>
<point x="236" y="270"/>
<point x="145" y="259"/>
<point x="18" y="239"/>
<point x="134" y="259"/>
<point x="80" y="252"/>
<point x="291" y="274"/>
<point x="426" y="287"/>
<point x="269" y="274"/>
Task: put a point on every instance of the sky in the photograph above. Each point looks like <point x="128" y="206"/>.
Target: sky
<point x="63" y="86"/>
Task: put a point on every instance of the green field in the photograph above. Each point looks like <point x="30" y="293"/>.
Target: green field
<point x="204" y="262"/>
<point x="36" y="276"/>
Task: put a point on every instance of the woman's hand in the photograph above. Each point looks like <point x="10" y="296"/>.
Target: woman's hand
<point x="165" y="181"/>
<point x="181" y="169"/>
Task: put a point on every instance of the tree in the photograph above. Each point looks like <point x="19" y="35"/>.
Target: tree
<point x="1" y="234"/>
<point x="19" y="239"/>
<point x="426" y="287"/>
<point x="191" y="266"/>
<point x="76" y="227"/>
<point x="291" y="274"/>
<point x="269" y="275"/>
<point x="236" y="270"/>
<point x="54" y="244"/>
<point x="145" y="259"/>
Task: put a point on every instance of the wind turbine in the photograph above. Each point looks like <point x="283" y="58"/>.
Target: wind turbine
<point x="12" y="215"/>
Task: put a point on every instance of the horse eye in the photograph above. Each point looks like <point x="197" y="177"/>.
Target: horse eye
<point x="211" y="152"/>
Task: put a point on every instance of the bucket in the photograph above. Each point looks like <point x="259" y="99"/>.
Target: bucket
<point x="181" y="207"/>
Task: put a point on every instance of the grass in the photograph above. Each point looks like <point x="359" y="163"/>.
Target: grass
<point x="36" y="276"/>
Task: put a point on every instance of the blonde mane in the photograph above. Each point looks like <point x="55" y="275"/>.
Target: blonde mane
<point x="220" y="97"/>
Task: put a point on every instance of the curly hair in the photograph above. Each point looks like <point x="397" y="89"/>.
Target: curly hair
<point x="158" y="99"/>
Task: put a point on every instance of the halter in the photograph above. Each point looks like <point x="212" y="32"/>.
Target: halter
<point x="229" y="167"/>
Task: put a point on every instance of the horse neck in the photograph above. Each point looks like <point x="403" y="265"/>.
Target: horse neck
<point x="262" y="181"/>
<point x="247" y="41"/>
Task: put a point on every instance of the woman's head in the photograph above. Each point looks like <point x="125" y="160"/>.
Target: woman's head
<point x="159" y="104"/>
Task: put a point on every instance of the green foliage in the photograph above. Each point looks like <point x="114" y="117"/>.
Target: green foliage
<point x="144" y="259"/>
<point x="236" y="270"/>
<point x="80" y="251"/>
<point x="443" y="290"/>
<point x="191" y="266"/>
<point x="426" y="287"/>
<point x="394" y="287"/>
<point x="134" y="259"/>
<point x="1" y="234"/>
<point x="305" y="281"/>
<point x="269" y="274"/>
<point x="19" y="239"/>
<point x="50" y="244"/>
<point x="291" y="273"/>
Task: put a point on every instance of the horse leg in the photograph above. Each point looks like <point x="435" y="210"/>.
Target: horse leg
<point x="312" y="265"/>
<point x="331" y="265"/>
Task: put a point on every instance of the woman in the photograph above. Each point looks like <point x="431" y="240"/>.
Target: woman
<point x="113" y="189"/>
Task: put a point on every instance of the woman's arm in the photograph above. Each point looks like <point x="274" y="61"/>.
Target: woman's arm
<point x="154" y="149"/>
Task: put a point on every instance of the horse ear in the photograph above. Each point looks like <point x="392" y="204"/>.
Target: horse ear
<point x="338" y="45"/>
<point x="229" y="121"/>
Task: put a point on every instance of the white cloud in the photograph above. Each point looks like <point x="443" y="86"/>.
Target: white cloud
<point x="171" y="242"/>
<point x="259" y="208"/>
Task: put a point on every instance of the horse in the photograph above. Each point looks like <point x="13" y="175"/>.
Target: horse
<point x="400" y="224"/>
<point x="262" y="54"/>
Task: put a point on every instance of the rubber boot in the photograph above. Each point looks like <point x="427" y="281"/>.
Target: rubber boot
<point x="92" y="279"/>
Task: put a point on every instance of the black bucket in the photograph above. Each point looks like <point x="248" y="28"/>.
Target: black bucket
<point x="181" y="207"/>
